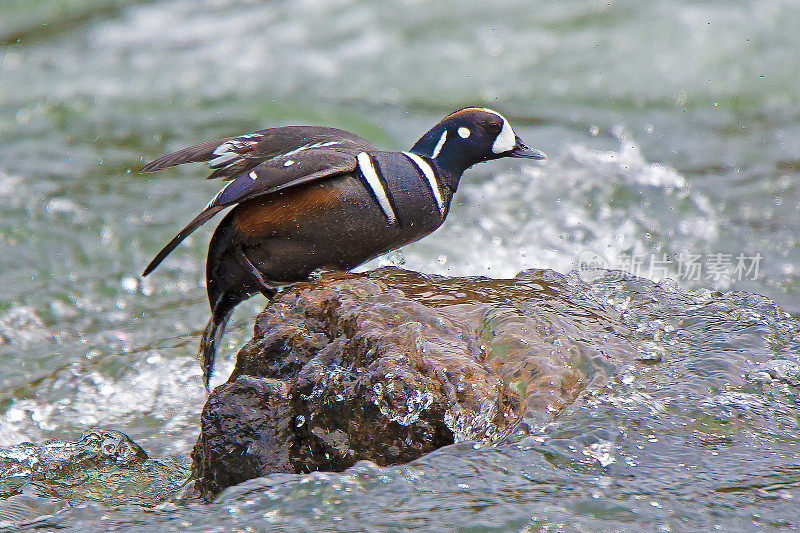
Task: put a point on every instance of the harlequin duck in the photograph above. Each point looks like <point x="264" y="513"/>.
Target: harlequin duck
<point x="307" y="197"/>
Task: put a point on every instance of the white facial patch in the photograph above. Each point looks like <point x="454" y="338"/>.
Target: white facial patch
<point x="506" y="140"/>
<point x="463" y="132"/>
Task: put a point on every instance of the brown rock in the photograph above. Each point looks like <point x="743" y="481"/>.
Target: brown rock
<point x="244" y="434"/>
<point x="391" y="365"/>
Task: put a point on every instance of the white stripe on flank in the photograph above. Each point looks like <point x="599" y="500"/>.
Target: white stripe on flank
<point x="430" y="175"/>
<point x="439" y="145"/>
<point x="368" y="170"/>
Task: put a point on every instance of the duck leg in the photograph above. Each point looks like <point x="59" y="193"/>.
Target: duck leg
<point x="263" y="286"/>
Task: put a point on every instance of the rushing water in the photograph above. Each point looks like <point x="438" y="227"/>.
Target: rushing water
<point x="673" y="133"/>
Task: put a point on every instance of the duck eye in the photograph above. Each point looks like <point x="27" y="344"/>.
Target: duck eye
<point x="494" y="127"/>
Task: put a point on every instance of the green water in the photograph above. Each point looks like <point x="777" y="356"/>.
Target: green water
<point x="672" y="127"/>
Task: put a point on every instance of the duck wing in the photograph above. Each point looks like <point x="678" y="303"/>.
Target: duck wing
<point x="232" y="156"/>
<point x="297" y="167"/>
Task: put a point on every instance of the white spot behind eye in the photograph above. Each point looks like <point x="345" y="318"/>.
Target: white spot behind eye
<point x="464" y="132"/>
<point x="506" y="140"/>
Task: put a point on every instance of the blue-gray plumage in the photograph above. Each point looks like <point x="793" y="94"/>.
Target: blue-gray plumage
<point x="307" y="197"/>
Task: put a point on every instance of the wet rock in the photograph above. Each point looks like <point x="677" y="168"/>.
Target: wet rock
<point x="55" y="459"/>
<point x="244" y="434"/>
<point x="390" y="365"/>
<point x="102" y="465"/>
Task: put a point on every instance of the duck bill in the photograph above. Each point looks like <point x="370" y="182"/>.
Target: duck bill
<point x="520" y="150"/>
